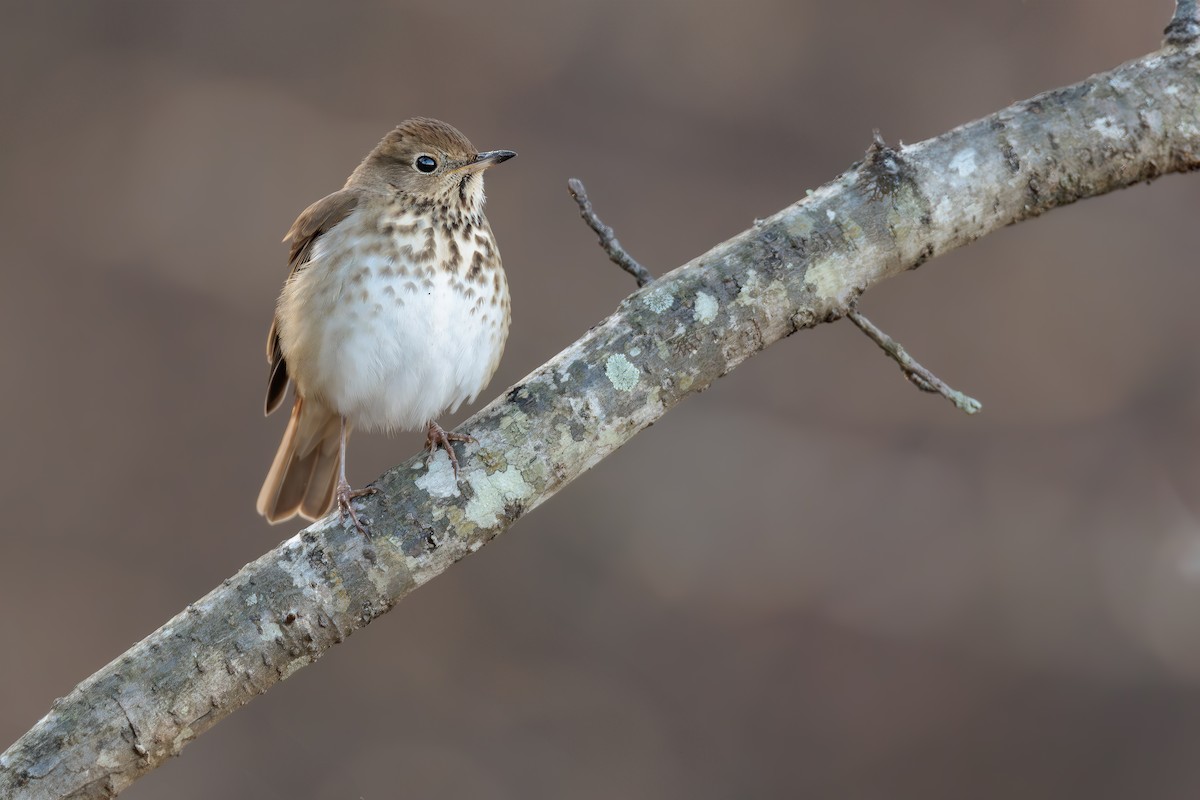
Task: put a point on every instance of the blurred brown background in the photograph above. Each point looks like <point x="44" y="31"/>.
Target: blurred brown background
<point x="786" y="588"/>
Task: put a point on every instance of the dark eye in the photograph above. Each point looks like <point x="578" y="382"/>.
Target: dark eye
<point x="425" y="164"/>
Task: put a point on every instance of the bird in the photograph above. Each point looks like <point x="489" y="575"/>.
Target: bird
<point x="396" y="309"/>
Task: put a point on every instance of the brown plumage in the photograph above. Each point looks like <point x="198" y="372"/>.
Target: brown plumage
<point x="395" y="309"/>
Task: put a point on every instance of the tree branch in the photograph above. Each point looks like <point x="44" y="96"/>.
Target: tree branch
<point x="1185" y="25"/>
<point x="608" y="239"/>
<point x="805" y="265"/>
<point x="921" y="377"/>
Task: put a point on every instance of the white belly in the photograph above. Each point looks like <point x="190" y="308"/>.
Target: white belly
<point x="387" y="343"/>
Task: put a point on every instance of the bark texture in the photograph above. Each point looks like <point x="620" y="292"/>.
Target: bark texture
<point x="803" y="266"/>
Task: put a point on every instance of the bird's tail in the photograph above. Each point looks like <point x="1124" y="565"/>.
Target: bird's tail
<point x="305" y="472"/>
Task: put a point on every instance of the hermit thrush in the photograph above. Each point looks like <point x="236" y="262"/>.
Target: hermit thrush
<point x="396" y="309"/>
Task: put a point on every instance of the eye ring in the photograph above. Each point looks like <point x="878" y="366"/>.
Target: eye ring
<point x="425" y="163"/>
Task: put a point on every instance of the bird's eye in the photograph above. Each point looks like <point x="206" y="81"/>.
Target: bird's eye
<point x="425" y="164"/>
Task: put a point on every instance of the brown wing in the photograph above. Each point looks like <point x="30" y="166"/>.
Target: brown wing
<point x="316" y="220"/>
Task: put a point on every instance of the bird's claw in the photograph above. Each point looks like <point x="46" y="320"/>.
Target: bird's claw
<point x="344" y="495"/>
<point x="437" y="437"/>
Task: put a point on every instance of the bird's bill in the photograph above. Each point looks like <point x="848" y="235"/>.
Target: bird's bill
<point x="488" y="159"/>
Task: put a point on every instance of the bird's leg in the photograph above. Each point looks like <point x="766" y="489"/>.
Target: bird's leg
<point x="436" y="437"/>
<point x="344" y="493"/>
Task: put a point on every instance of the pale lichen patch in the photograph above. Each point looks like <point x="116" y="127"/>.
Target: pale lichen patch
<point x="609" y="438"/>
<point x="439" y="479"/>
<point x="1154" y="120"/>
<point x="800" y="226"/>
<point x="943" y="210"/>
<point x="659" y="300"/>
<point x="774" y="298"/>
<point x="566" y="441"/>
<point x="964" y="162"/>
<point x="493" y="458"/>
<point x="827" y="279"/>
<point x="563" y="373"/>
<point x="767" y="299"/>
<point x="706" y="308"/>
<point x="493" y="492"/>
<point x="515" y="422"/>
<point x="622" y="374"/>
<point x="749" y="291"/>
<point x="270" y="630"/>
<point x="1108" y="129"/>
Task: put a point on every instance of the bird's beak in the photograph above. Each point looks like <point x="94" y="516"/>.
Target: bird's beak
<point x="488" y="159"/>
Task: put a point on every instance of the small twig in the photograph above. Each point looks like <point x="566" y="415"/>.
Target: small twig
<point x="921" y="377"/>
<point x="1185" y="25"/>
<point x="608" y="240"/>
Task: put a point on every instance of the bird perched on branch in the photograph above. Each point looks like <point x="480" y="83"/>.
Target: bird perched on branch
<point x="396" y="309"/>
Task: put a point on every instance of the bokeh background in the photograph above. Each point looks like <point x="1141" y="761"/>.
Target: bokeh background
<point x="787" y="587"/>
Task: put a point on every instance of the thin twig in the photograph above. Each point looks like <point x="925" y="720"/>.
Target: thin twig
<point x="608" y="240"/>
<point x="1185" y="25"/>
<point x="921" y="377"/>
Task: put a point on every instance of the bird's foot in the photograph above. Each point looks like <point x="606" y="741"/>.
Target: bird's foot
<point x="437" y="437"/>
<point x="344" y="494"/>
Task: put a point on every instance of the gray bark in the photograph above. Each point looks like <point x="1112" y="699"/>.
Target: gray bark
<point x="803" y="266"/>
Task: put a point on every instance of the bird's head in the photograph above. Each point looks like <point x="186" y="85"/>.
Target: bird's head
<point x="427" y="159"/>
